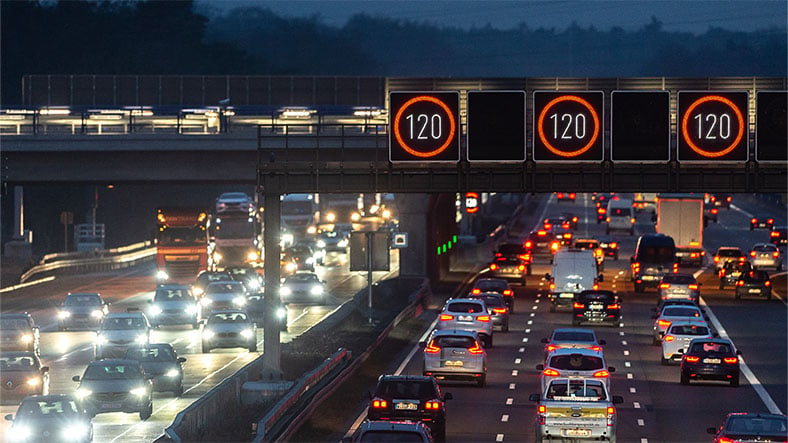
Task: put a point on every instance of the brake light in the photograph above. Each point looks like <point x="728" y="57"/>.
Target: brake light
<point x="740" y="283"/>
<point x="475" y="349"/>
<point x="379" y="404"/>
<point x="596" y="286"/>
<point x="476" y="291"/>
<point x="552" y="286"/>
<point x="578" y="305"/>
<point x="498" y="254"/>
<point x="770" y="221"/>
<point x="555" y="245"/>
<point x="742" y="258"/>
<point x="693" y="255"/>
<point x="484" y="318"/>
<point x="541" y="233"/>
<point x="661" y="323"/>
<point x="730" y="360"/>
<point x="669" y="338"/>
<point x="595" y="348"/>
<point x="767" y="283"/>
<point x="574" y="219"/>
<point x="727" y="440"/>
<point x="598" y="252"/>
<point x="692" y="359"/>
<point x="636" y="267"/>
<point x="499" y="310"/>
<point x="446" y="317"/>
<point x="525" y="257"/>
<point x="774" y="234"/>
<point x="607" y="219"/>
<point x="551" y="372"/>
<point x="776" y="254"/>
<point x="716" y="259"/>
<point x="752" y="253"/>
<point x="601" y="374"/>
<point x="664" y="286"/>
<point x="432" y="405"/>
<point x="528" y="244"/>
<point x="551" y="348"/>
<point x="542" y="409"/>
<point x="632" y="220"/>
<point x="693" y="287"/>
<point x="571" y="195"/>
<point x="548" y="226"/>
<point x="755" y="220"/>
<point x="493" y="267"/>
<point x="507" y="292"/>
<point x="611" y="412"/>
<point x="431" y="348"/>
<point x="613" y="306"/>
<point x="728" y="199"/>
<point x="675" y="268"/>
<point x="521" y="267"/>
<point x="714" y="210"/>
<point x="560" y="195"/>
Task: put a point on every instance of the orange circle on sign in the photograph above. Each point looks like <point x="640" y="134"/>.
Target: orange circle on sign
<point x="700" y="101"/>
<point x="452" y="126"/>
<point x="552" y="148"/>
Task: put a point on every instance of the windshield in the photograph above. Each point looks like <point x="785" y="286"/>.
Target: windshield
<point x="576" y="389"/>
<point x="680" y="312"/>
<point x="112" y="372"/>
<point x="573" y="336"/>
<point x="82" y="300"/>
<point x="491" y="285"/>
<point x="453" y="341"/>
<point x="163" y="353"/>
<point x="576" y="362"/>
<point x="18" y="324"/>
<point x="302" y="278"/>
<point x="207" y="277"/>
<point x="16" y="363"/>
<point x="757" y="425"/>
<point x="406" y="389"/>
<point x="679" y="279"/>
<point x="297" y="207"/>
<point x="509" y="249"/>
<point x="598" y="297"/>
<point x="112" y="323"/>
<point x="224" y="288"/>
<point x="234" y="228"/>
<point x="689" y="330"/>
<point x="465" y="307"/>
<point x="656" y="254"/>
<point x="491" y="300"/>
<point x="583" y="244"/>
<point x="711" y="348"/>
<point x="231" y="317"/>
<point x="172" y="294"/>
<point x="32" y="407"/>
<point x="181" y="236"/>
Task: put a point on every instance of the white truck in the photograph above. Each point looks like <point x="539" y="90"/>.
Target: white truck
<point x="680" y="216"/>
<point x="574" y="271"/>
<point x="576" y="409"/>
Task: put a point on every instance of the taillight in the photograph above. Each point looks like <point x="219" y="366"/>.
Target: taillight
<point x="774" y="234"/>
<point x="601" y="211"/>
<point x="541" y="233"/>
<point x="716" y="259"/>
<point x="770" y="221"/>
<point x="693" y="287"/>
<point x="755" y="220"/>
<point x="578" y="305"/>
<point x="499" y="310"/>
<point x="574" y="219"/>
<point x="528" y="244"/>
<point x="498" y="254"/>
<point x="596" y="286"/>
<point x="728" y="199"/>
<point x="571" y="195"/>
<point x="521" y="267"/>
<point x="507" y="292"/>
<point x="636" y="267"/>
<point x="601" y="374"/>
<point x="551" y="372"/>
<point x="742" y="258"/>
<point x="446" y="317"/>
<point x="727" y="440"/>
<point x="379" y="404"/>
<point x="484" y="318"/>
<point x="551" y="348"/>
<point x="595" y="348"/>
<point x="664" y="286"/>
<point x="611" y="413"/>
<point x="714" y="210"/>
<point x="555" y="245"/>
<point x="692" y="359"/>
<point x="632" y="220"/>
<point x="552" y="286"/>
<point x="730" y="360"/>
<point x="752" y="253"/>
<point x="767" y="283"/>
<point x="776" y="254"/>
<point x="661" y="323"/>
<point x="493" y="267"/>
<point x="560" y="195"/>
<point x="475" y="349"/>
<point x="432" y="405"/>
<point x="669" y="338"/>
<point x="524" y="257"/>
<point x="614" y="306"/>
<point x="548" y="226"/>
<point x="542" y="409"/>
<point x="431" y="348"/>
<point x="675" y="268"/>
<point x="740" y="283"/>
<point x="607" y="219"/>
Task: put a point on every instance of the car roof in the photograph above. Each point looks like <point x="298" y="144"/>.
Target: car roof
<point x="114" y="361"/>
<point x="450" y="332"/>
<point x="583" y="351"/>
<point x="229" y="311"/>
<point x="415" y="378"/>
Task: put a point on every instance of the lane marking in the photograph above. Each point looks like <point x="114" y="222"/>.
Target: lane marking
<point x="525" y="339"/>
<point x="636" y="405"/>
<point x="505" y="418"/>
<point x="624" y="342"/>
<point x="515" y="372"/>
<point x="626" y="352"/>
<point x="621" y="333"/>
<point x="629" y="376"/>
<point x="530" y="322"/>
<point x="632" y="390"/>
<point x="512" y="386"/>
<point x="627" y="364"/>
<point x="641" y="422"/>
<point x="521" y="350"/>
<point x="533" y="315"/>
<point x="498" y="437"/>
<point x="517" y="361"/>
<point x="535" y="307"/>
<point x="527" y="331"/>
<point x="509" y="401"/>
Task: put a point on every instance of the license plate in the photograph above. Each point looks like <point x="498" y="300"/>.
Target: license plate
<point x="649" y="277"/>
<point x="567" y="295"/>
<point x="711" y="360"/>
<point x="576" y="432"/>
<point x="754" y="291"/>
<point x="465" y="318"/>
<point x="110" y="405"/>
<point x="453" y="363"/>
<point x="595" y="307"/>
<point x="406" y="406"/>
<point x="541" y="245"/>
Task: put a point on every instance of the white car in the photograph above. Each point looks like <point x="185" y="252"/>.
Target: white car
<point x="303" y="287"/>
<point x="575" y="363"/>
<point x="572" y="338"/>
<point x="452" y="354"/>
<point x="229" y="328"/>
<point x="223" y="295"/>
<point x="469" y="315"/>
<point x="118" y="331"/>
<point x="676" y="340"/>
<point x="766" y="256"/>
<point x="673" y="313"/>
<point x="234" y="202"/>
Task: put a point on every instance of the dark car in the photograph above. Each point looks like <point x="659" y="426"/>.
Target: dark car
<point x="596" y="307"/>
<point x="779" y="235"/>
<point x="50" y="418"/>
<point x="22" y="374"/>
<point x="754" y="283"/>
<point x="302" y="256"/>
<point x="565" y="197"/>
<point x="162" y="364"/>
<point x="410" y="398"/>
<point x="710" y="359"/>
<point x="608" y="245"/>
<point x="248" y="276"/>
<point x="207" y="277"/>
<point x="390" y="431"/>
<point x="81" y="310"/>
<point x="761" y="222"/>
<point x="541" y="244"/>
<point x="731" y="271"/>
<point x="515" y="250"/>
<point x="710" y="213"/>
<point x="721" y="200"/>
<point x="655" y="257"/>
<point x="569" y="220"/>
<point x="18" y="332"/>
<point x="601" y="214"/>
<point x="115" y="386"/>
<point x="509" y="269"/>
<point x="751" y="426"/>
<point x="498" y="285"/>
<point x="496" y="307"/>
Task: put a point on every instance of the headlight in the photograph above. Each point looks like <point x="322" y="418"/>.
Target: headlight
<point x="239" y="301"/>
<point x="162" y="275"/>
<point x="321" y="244"/>
<point x="253" y="284"/>
<point x="141" y="339"/>
<point x="27" y="338"/>
<point x="331" y="217"/>
<point x="207" y="333"/>
<point x="155" y="310"/>
<point x="197" y="290"/>
<point x="316" y="290"/>
<point x="291" y="267"/>
<point x="35" y="381"/>
<point x="101" y="340"/>
<point x="281" y="313"/>
<point x="21" y="432"/>
<point x="217" y="257"/>
<point x="284" y="290"/>
<point x="63" y="314"/>
<point x="355" y="216"/>
<point x="310" y="260"/>
<point x="252" y="256"/>
<point x="74" y="431"/>
<point x="191" y="309"/>
<point x="311" y="230"/>
<point x="205" y="301"/>
<point x="83" y="393"/>
<point x="97" y="313"/>
<point x="386" y="213"/>
<point x="247" y="333"/>
<point x="172" y="373"/>
<point x="139" y="392"/>
<point x="342" y="243"/>
<point x="287" y="238"/>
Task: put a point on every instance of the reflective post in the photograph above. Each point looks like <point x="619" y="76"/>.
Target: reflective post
<point x="369" y="272"/>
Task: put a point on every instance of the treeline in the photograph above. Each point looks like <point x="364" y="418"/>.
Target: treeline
<point x="169" y="37"/>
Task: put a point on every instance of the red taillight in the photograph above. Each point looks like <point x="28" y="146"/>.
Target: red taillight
<point x="542" y="409"/>
<point x="499" y="310"/>
<point x="595" y="348"/>
<point x="446" y="317"/>
<point x="551" y="348"/>
<point x="742" y="258"/>
<point x="661" y="323"/>
<point x="431" y="348"/>
<point x="541" y="233"/>
<point x="528" y="244"/>
<point x="432" y="405"/>
<point x="560" y="195"/>
<point x="571" y="195"/>
<point x="774" y="234"/>
<point x="601" y="374"/>
<point x="476" y="291"/>
<point x="551" y="372"/>
<point x="752" y="253"/>
<point x="484" y="318"/>
<point x="578" y="305"/>
<point x="755" y="220"/>
<point x="727" y="440"/>
<point x="525" y="257"/>
<point x="552" y="286"/>
<point x="714" y="210"/>
<point x="664" y="286"/>
<point x="716" y="259"/>
<point x="521" y="268"/>
<point x="675" y="268"/>
<point x="607" y="219"/>
<point x="693" y="287"/>
<point x="548" y="226"/>
<point x="669" y="338"/>
<point x="595" y="287"/>
<point x="555" y="245"/>
<point x="507" y="292"/>
<point x="601" y="211"/>
<point x="498" y="254"/>
<point x="770" y="221"/>
<point x="767" y="283"/>
<point x="776" y="254"/>
<point x="567" y="235"/>
<point x="730" y="360"/>
<point x="475" y="349"/>
<point x="614" y="306"/>
<point x="379" y="404"/>
<point x="692" y="359"/>
<point x="493" y="267"/>
<point x="574" y="219"/>
<point x="636" y="267"/>
<point x="632" y="220"/>
<point x="740" y="283"/>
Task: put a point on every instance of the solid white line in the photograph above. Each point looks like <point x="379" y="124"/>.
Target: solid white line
<point x="26" y="284"/>
<point x="643" y="440"/>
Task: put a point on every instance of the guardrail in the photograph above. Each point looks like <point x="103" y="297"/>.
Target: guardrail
<point x="93" y="261"/>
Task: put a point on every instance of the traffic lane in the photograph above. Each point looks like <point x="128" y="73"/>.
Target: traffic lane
<point x="753" y="205"/>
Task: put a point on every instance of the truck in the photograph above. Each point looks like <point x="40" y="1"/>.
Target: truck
<point x="574" y="271"/>
<point x="299" y="215"/>
<point x="576" y="409"/>
<point x="236" y="240"/>
<point x="181" y="243"/>
<point x="680" y="216"/>
<point x="340" y="208"/>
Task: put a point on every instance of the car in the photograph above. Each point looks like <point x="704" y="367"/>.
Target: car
<point x="678" y="336"/>
<point x="115" y="385"/>
<point x="592" y="244"/>
<point x="761" y="222"/>
<point x="303" y="287"/>
<point x="22" y="374"/>
<point x="569" y="220"/>
<point x="234" y="202"/>
<point x="601" y="198"/>
<point x="563" y="235"/>
<point x="18" y="332"/>
<point x="565" y="197"/>
<point x="601" y="214"/>
<point x="596" y="306"/>
<point x="498" y="285"/>
<point x="118" y="331"/>
<point x="721" y="200"/>
<point x="467" y="314"/>
<point x="766" y="256"/>
<point x="453" y="354"/>
<point x="515" y="250"/>
<point x="754" y="283"/>
<point x="710" y="359"/>
<point x="81" y="310"/>
<point x="410" y="398"/>
<point x="572" y="338"/>
<point x="655" y="256"/>
<point x="509" y="269"/>
<point x="551" y="223"/>
<point x="229" y="328"/>
<point x="303" y="256"/>
<point x="725" y="254"/>
<point x="333" y="241"/>
<point x="541" y="244"/>
<point x="608" y="245"/>
<point x="204" y="278"/>
<point x="779" y="235"/>
<point x="575" y="363"/>
<point x="223" y="295"/>
<point x="731" y="271"/>
<point x="673" y="313"/>
<point x="50" y="418"/>
<point x="248" y="276"/>
<point x="318" y="251"/>
<point x="679" y="286"/>
<point x="174" y="305"/>
<point x="496" y="307"/>
<point x="162" y="364"/>
<point x="373" y="431"/>
<point x="751" y="426"/>
<point x="710" y="214"/>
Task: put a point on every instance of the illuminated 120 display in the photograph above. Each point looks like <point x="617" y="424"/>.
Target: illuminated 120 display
<point x="424" y="127"/>
<point x="568" y="125"/>
<point x="712" y="125"/>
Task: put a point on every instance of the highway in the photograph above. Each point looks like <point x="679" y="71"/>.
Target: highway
<point x="68" y="353"/>
<point x="656" y="407"/>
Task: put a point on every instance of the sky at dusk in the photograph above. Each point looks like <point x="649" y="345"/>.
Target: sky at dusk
<point x="694" y="16"/>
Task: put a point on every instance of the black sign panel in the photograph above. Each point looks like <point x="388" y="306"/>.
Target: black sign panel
<point x="640" y="126"/>
<point x="771" y="126"/>
<point x="568" y="126"/>
<point x="712" y="125"/>
<point x="424" y="127"/>
<point x="496" y="126"/>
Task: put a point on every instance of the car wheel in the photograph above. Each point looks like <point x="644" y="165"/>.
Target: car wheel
<point x="147" y="412"/>
<point x="684" y="378"/>
<point x="737" y="296"/>
<point x="769" y="295"/>
<point x="722" y="285"/>
<point x="607" y="231"/>
<point x="522" y="281"/>
<point x="735" y="381"/>
<point x="505" y="328"/>
<point x="488" y="341"/>
<point x="655" y="341"/>
<point x="482" y="381"/>
<point x="440" y="434"/>
<point x="552" y="308"/>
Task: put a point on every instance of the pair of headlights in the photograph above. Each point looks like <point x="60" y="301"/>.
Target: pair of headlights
<point x="141" y="339"/>
<point x="246" y="333"/>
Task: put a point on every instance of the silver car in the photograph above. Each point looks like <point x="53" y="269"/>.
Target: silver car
<point x="670" y="314"/>
<point x="303" y="287"/>
<point x="469" y="315"/>
<point x="496" y="307"/>
<point x="174" y="305"/>
<point x="452" y="354"/>
<point x="115" y="386"/>
<point x="766" y="256"/>
<point x="575" y="363"/>
<point x="676" y="340"/>
<point x="679" y="287"/>
<point x="223" y="295"/>
<point x="81" y="310"/>
<point x="229" y="328"/>
<point x="118" y="331"/>
<point x="573" y="338"/>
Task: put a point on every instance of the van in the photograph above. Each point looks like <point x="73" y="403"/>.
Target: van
<point x="620" y="216"/>
<point x="574" y="271"/>
<point x="655" y="256"/>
